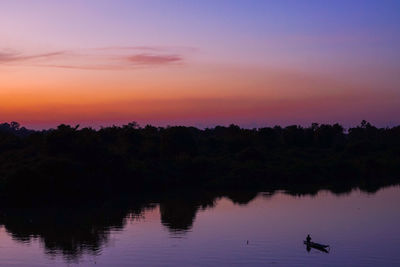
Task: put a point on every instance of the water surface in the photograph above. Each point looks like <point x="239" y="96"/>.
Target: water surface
<point x="246" y="229"/>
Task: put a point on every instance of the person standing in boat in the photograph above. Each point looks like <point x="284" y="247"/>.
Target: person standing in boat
<point x="308" y="239"/>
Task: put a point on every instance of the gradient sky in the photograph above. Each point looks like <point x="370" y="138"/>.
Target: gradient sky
<point x="199" y="63"/>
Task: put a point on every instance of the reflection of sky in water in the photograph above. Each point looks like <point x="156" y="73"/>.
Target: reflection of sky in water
<point x="362" y="230"/>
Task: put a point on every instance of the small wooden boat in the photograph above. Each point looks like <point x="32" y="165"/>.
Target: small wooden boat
<point x="318" y="246"/>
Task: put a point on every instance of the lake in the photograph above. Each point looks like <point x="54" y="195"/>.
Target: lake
<point x="230" y="229"/>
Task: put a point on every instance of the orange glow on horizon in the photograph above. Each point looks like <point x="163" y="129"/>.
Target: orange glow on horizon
<point x="194" y="93"/>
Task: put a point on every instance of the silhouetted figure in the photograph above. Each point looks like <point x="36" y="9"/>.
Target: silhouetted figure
<point x="308" y="239"/>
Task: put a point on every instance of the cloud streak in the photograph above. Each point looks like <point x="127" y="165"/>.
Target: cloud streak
<point x="151" y="59"/>
<point x="7" y="57"/>
<point x="147" y="48"/>
<point x="106" y="58"/>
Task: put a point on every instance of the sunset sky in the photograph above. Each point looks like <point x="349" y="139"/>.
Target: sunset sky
<point x="200" y="63"/>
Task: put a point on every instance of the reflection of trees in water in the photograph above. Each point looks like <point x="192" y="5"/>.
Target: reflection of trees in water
<point x="241" y="198"/>
<point x="75" y="231"/>
<point x="178" y="215"/>
<point x="70" y="231"/>
<point x="178" y="212"/>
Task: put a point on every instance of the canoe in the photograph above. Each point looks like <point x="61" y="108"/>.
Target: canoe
<point x="315" y="245"/>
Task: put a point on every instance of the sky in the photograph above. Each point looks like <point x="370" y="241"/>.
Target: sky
<point x="202" y="63"/>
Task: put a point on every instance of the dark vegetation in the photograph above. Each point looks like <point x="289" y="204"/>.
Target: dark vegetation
<point x="70" y="187"/>
<point x="69" y="163"/>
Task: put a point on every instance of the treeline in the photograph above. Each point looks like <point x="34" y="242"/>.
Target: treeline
<point x="73" y="162"/>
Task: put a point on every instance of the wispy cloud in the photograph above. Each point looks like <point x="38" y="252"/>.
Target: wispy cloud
<point x="105" y="58"/>
<point x="148" y="48"/>
<point x="8" y="56"/>
<point x="151" y="59"/>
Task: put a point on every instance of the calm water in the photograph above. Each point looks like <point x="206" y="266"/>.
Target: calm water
<point x="362" y="230"/>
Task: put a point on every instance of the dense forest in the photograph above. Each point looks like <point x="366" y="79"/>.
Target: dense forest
<point x="72" y="162"/>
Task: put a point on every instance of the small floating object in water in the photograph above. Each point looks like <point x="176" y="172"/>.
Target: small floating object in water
<point x="318" y="246"/>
